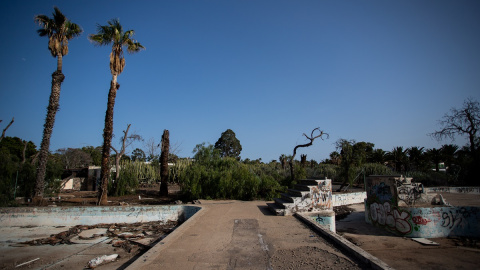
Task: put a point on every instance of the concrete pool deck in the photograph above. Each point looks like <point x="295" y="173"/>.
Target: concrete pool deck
<point x="246" y="235"/>
<point x="209" y="241"/>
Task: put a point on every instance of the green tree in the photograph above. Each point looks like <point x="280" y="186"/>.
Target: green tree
<point x="435" y="157"/>
<point x="378" y="156"/>
<point x="352" y="155"/>
<point x="95" y="154"/>
<point x="17" y="170"/>
<point x="229" y="145"/>
<point x="416" y="158"/>
<point x="59" y="30"/>
<point x="448" y="153"/>
<point x="112" y="34"/>
<point x="138" y="154"/>
<point x="399" y="158"/>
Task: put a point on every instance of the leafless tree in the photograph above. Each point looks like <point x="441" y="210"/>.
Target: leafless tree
<point x="152" y="149"/>
<point x="311" y="139"/>
<point x="463" y="121"/>
<point x="5" y="129"/>
<point x="126" y="141"/>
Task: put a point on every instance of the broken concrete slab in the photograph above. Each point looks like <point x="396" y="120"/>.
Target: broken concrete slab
<point x="78" y="240"/>
<point x="92" y="233"/>
<point x="426" y="242"/>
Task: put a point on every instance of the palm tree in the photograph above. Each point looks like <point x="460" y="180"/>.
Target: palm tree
<point x="415" y="157"/>
<point x="435" y="157"/>
<point x="112" y="34"/>
<point x="399" y="158"/>
<point x="58" y="30"/>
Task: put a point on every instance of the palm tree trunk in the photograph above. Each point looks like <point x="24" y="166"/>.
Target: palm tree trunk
<point x="164" y="163"/>
<point x="107" y="140"/>
<point x="59" y="62"/>
<point x="53" y="104"/>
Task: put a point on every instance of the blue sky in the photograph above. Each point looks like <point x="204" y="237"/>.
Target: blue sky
<point x="378" y="71"/>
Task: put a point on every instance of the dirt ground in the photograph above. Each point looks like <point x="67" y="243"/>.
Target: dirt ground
<point x="404" y="253"/>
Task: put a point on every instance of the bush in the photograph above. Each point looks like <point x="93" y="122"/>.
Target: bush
<point x="213" y="177"/>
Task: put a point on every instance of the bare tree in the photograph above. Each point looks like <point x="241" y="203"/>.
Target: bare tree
<point x="463" y="121"/>
<point x="311" y="139"/>
<point x="5" y="129"/>
<point x="164" y="163"/>
<point x="74" y="158"/>
<point x="126" y="141"/>
<point x="152" y="148"/>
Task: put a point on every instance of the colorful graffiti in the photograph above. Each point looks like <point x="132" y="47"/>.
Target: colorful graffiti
<point x="322" y="195"/>
<point x="382" y="210"/>
<point x="419" y="220"/>
<point x="393" y="218"/>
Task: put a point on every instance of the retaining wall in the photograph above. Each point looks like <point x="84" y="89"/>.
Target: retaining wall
<point x="71" y="216"/>
<point x="382" y="210"/>
<point x="425" y="222"/>
<point x="471" y="190"/>
<point x="348" y="198"/>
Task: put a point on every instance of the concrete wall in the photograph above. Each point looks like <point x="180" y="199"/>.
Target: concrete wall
<point x="324" y="218"/>
<point x="348" y="198"/>
<point x="322" y="195"/>
<point x="71" y="216"/>
<point x="382" y="210"/>
<point x="471" y="190"/>
<point x="423" y="222"/>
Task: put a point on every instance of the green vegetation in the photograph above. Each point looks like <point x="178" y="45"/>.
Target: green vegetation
<point x="214" y="177"/>
<point x="229" y="145"/>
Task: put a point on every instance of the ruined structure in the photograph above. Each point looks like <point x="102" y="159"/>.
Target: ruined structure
<point x="407" y="209"/>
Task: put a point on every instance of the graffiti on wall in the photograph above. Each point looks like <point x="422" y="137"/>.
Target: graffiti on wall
<point x="382" y="210"/>
<point x="393" y="218"/>
<point x="409" y="193"/>
<point x="474" y="190"/>
<point x="322" y="195"/>
<point x="348" y="198"/>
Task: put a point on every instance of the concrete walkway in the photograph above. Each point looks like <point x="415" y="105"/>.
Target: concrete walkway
<point x="243" y="235"/>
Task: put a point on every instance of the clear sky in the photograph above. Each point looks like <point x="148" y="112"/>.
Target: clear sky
<point x="378" y="71"/>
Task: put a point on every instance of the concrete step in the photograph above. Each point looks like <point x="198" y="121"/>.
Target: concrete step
<point x="302" y="187"/>
<point x="313" y="182"/>
<point x="276" y="209"/>
<point x="288" y="206"/>
<point x="290" y="198"/>
<point x="298" y="193"/>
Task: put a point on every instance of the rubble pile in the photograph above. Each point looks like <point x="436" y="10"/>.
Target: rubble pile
<point x="126" y="236"/>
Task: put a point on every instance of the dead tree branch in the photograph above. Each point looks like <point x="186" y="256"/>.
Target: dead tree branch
<point x="5" y="130"/>
<point x="311" y="139"/>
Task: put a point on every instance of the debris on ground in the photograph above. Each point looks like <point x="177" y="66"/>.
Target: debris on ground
<point x="101" y="260"/>
<point x="25" y="263"/>
<point x="122" y="235"/>
<point x="342" y="212"/>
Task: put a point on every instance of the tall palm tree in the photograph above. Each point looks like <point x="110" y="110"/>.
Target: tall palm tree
<point x="415" y="157"/>
<point x="59" y="30"/>
<point x="398" y="157"/>
<point x="112" y="34"/>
